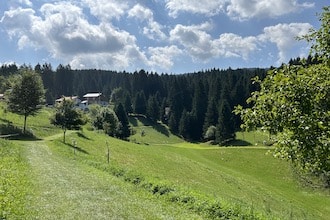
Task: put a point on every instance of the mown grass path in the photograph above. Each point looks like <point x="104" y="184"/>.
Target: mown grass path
<point x="67" y="189"/>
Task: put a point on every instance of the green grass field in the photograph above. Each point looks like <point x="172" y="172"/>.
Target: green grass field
<point x="153" y="176"/>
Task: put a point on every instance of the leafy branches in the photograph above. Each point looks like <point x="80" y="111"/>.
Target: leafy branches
<point x="294" y="103"/>
<point x="27" y="94"/>
<point x="67" y="117"/>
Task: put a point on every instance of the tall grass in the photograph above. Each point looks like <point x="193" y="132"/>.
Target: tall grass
<point x="15" y="186"/>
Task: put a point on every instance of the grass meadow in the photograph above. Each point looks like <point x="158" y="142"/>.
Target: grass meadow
<point x="158" y="169"/>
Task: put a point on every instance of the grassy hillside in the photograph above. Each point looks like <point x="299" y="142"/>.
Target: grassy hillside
<point x="204" y="180"/>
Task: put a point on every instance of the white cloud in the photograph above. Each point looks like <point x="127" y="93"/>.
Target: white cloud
<point x="245" y="9"/>
<point x="209" y="8"/>
<point x="26" y="2"/>
<point x="232" y="45"/>
<point x="64" y="31"/>
<point x="201" y="46"/>
<point x="163" y="56"/>
<point x="153" y="30"/>
<point x="106" y="10"/>
<point x="18" y="20"/>
<point x="237" y="9"/>
<point x="284" y="36"/>
<point x="140" y="12"/>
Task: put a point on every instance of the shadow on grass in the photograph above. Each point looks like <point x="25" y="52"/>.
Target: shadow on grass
<point x="155" y="125"/>
<point x="5" y="120"/>
<point x="77" y="148"/>
<point x="162" y="129"/>
<point x="133" y="121"/>
<point x="83" y="136"/>
<point x="239" y="142"/>
<point x="12" y="132"/>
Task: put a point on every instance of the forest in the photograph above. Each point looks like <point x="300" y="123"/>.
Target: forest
<point x="197" y="106"/>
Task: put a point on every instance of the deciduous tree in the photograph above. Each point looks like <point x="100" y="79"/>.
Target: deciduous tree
<point x="67" y="117"/>
<point x="27" y="94"/>
<point x="294" y="104"/>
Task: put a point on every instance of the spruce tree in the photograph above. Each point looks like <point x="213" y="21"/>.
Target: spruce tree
<point x="124" y="128"/>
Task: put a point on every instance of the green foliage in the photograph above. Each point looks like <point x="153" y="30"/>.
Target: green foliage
<point x="210" y="133"/>
<point x="320" y="38"/>
<point x="106" y="119"/>
<point x="294" y="103"/>
<point x="225" y="130"/>
<point x="140" y="103"/>
<point x="27" y="95"/>
<point x="118" y="95"/>
<point x="67" y="117"/>
<point x="174" y="93"/>
<point x="123" y="126"/>
<point x="153" y="108"/>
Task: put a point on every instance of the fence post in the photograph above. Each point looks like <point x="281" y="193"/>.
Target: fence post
<point x="108" y="152"/>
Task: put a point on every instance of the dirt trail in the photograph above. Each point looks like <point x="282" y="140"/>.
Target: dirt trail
<point x="66" y="189"/>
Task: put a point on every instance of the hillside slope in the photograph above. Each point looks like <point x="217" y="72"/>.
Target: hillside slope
<point x="65" y="189"/>
<point x="156" y="175"/>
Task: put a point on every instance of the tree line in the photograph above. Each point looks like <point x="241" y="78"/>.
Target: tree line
<point x="197" y="106"/>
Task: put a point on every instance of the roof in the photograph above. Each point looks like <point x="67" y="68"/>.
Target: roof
<point x="92" y="95"/>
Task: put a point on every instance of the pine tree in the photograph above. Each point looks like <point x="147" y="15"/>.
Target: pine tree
<point x="211" y="116"/>
<point x="225" y="128"/>
<point x="124" y="128"/>
<point x="153" y="108"/>
<point x="199" y="108"/>
<point x="140" y="104"/>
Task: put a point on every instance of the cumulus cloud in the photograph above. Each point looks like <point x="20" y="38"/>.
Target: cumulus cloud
<point x="201" y="46"/>
<point x="153" y="30"/>
<point x="209" y="8"/>
<point x="245" y="9"/>
<point x="232" y="45"/>
<point x="106" y="10"/>
<point x="26" y="2"/>
<point x="163" y="56"/>
<point x="70" y="34"/>
<point x="140" y="12"/>
<point x="284" y="37"/>
<point x="237" y="9"/>
<point x="64" y="31"/>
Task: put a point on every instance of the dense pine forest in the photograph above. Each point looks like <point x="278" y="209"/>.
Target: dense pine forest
<point x="197" y="106"/>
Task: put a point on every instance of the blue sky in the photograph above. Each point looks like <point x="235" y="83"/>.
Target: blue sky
<point x="172" y="36"/>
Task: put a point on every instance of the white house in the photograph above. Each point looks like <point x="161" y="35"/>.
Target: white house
<point x="93" y="98"/>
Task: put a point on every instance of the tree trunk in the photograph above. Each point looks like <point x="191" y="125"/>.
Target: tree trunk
<point x="24" y="127"/>
<point x="64" y="131"/>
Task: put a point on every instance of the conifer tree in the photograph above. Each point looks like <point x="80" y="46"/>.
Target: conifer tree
<point x="124" y="128"/>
